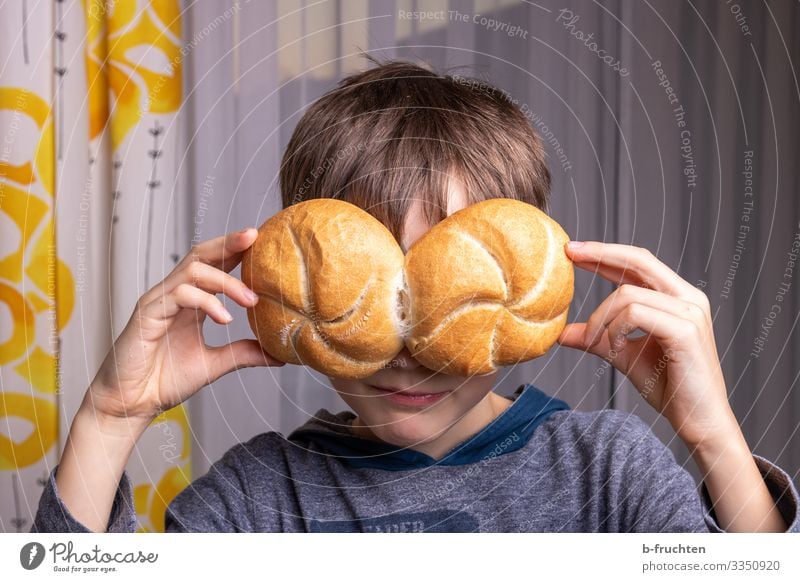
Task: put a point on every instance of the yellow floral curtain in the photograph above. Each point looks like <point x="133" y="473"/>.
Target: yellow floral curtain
<point x="90" y="218"/>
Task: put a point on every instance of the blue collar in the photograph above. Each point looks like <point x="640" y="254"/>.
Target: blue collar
<point x="510" y="431"/>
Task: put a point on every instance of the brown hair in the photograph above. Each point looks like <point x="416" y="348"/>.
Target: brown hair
<point x="398" y="132"/>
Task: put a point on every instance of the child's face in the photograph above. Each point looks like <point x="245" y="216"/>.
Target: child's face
<point x="406" y="404"/>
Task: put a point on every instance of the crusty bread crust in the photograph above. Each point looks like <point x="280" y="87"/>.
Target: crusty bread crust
<point x="327" y="274"/>
<point x="488" y="286"/>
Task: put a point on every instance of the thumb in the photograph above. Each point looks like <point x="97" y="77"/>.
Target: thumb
<point x="245" y="353"/>
<point x="572" y="337"/>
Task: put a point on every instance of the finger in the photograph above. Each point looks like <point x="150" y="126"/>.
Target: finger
<point x="573" y="336"/>
<point x="626" y="294"/>
<point x="613" y="274"/>
<point x="212" y="280"/>
<point x="223" y="252"/>
<point x="627" y="277"/>
<point x="186" y="296"/>
<point x="650" y="271"/>
<point x="241" y="354"/>
<point x="669" y="330"/>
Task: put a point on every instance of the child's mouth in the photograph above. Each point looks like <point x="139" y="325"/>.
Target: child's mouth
<point x="405" y="397"/>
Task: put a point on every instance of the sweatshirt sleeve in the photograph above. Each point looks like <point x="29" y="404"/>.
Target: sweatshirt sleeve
<point x="664" y="497"/>
<point x="52" y="516"/>
<point x="216" y="502"/>
<point x="780" y="485"/>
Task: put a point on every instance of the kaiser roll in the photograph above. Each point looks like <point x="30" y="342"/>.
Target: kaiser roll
<point x="329" y="278"/>
<point x="488" y="286"/>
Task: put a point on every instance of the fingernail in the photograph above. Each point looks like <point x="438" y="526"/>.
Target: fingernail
<point x="252" y="296"/>
<point x="574" y="244"/>
<point x="226" y="316"/>
<point x="244" y="230"/>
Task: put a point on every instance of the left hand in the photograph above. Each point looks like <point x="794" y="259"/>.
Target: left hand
<point x="675" y="366"/>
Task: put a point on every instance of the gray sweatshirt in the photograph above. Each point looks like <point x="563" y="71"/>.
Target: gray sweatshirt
<point x="539" y="467"/>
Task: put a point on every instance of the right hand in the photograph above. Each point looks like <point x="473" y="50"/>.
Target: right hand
<point x="160" y="359"/>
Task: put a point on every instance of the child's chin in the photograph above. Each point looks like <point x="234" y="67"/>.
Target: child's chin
<point x="410" y="431"/>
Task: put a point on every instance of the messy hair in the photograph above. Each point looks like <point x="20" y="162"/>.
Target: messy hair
<point x="399" y="132"/>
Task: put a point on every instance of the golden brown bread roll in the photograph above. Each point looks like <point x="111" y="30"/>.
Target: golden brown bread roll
<point x="488" y="286"/>
<point x="329" y="277"/>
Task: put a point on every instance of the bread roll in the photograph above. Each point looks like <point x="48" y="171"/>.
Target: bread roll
<point x="488" y="286"/>
<point x="329" y="277"/>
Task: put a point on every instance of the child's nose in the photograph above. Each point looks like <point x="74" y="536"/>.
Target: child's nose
<point x="405" y="360"/>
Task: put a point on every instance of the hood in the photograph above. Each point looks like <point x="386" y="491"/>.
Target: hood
<point x="510" y="431"/>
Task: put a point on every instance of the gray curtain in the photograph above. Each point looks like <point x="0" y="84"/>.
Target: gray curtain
<point x="639" y="156"/>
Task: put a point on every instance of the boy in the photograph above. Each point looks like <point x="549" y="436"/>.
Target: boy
<point x="425" y="451"/>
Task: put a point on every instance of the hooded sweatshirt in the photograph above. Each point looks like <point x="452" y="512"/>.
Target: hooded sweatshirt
<point x="538" y="467"/>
